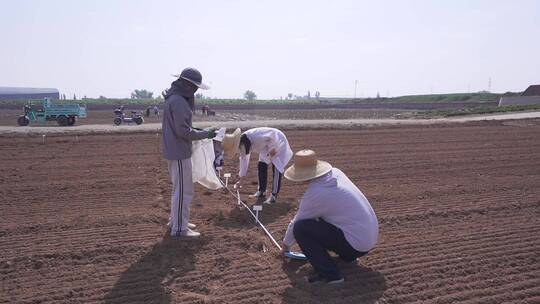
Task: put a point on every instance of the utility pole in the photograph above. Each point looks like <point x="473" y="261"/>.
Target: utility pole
<point x="489" y="85"/>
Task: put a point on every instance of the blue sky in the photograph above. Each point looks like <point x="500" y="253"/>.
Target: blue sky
<point x="111" y="47"/>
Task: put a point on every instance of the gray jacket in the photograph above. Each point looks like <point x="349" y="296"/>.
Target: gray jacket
<point x="177" y="130"/>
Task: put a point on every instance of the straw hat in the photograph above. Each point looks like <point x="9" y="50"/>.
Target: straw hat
<point x="306" y="166"/>
<point x="231" y="142"/>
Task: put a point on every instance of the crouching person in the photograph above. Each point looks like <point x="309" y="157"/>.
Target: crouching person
<point x="334" y="215"/>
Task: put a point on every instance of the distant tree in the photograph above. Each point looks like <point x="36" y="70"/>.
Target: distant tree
<point x="250" y="95"/>
<point x="308" y="94"/>
<point x="74" y="97"/>
<point x="199" y="96"/>
<point x="317" y="94"/>
<point x="141" y="94"/>
<point x="102" y="97"/>
<point x="378" y="95"/>
<point x="289" y="95"/>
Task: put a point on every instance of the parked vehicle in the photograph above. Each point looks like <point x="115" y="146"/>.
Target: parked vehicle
<point x="120" y="117"/>
<point x="63" y="114"/>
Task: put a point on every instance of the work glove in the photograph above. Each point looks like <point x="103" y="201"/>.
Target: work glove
<point x="212" y="133"/>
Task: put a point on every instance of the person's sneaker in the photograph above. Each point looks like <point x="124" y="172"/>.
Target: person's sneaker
<point x="189" y="233"/>
<point x="336" y="281"/>
<point x="258" y="194"/>
<point x="270" y="200"/>
<point x="318" y="278"/>
<point x="190" y="225"/>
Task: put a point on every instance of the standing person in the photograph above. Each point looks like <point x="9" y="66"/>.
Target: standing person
<point x="177" y="136"/>
<point x="156" y="111"/>
<point x="148" y="111"/>
<point x="334" y="215"/>
<point x="271" y="145"/>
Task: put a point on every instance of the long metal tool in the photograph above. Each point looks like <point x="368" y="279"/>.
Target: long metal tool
<point x="237" y="196"/>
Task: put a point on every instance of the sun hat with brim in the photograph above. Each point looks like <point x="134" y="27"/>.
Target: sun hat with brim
<point x="194" y="76"/>
<point x="306" y="166"/>
<point x="231" y="142"/>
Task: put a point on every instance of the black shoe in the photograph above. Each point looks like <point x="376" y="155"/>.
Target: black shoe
<point x="318" y="278"/>
<point x="350" y="261"/>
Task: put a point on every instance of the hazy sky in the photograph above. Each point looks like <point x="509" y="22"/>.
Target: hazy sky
<point x="110" y="48"/>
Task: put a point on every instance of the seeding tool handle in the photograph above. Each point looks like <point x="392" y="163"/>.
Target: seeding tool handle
<point x="253" y="215"/>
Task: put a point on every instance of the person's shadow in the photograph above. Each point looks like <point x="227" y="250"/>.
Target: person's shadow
<point x="146" y="280"/>
<point x="362" y="284"/>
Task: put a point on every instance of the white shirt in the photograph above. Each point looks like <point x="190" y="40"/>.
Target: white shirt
<point x="335" y="199"/>
<point x="263" y="140"/>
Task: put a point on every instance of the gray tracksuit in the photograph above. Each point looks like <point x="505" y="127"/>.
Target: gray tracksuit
<point x="177" y="130"/>
<point x="177" y="136"/>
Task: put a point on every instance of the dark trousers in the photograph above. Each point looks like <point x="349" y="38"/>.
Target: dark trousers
<point x="263" y="178"/>
<point x="315" y="238"/>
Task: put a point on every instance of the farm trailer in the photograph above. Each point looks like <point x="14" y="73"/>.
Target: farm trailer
<point x="63" y="114"/>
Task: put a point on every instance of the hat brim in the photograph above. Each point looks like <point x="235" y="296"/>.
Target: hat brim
<point x="201" y="85"/>
<point x="304" y="174"/>
<point x="231" y="150"/>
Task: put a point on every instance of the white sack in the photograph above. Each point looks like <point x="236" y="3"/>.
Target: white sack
<point x="202" y="160"/>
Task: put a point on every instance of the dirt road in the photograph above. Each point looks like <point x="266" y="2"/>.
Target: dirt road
<point x="286" y="124"/>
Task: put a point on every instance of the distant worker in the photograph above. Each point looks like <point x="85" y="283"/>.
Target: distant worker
<point x="273" y="148"/>
<point x="333" y="215"/>
<point x="178" y="134"/>
<point x="156" y="111"/>
<point x="147" y="114"/>
<point x="204" y="109"/>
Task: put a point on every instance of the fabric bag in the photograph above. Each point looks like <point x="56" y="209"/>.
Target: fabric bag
<point x="202" y="160"/>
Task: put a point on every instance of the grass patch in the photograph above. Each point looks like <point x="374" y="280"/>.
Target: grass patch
<point x="475" y="110"/>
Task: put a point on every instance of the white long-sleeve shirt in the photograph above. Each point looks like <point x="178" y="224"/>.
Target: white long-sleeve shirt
<point x="335" y="199"/>
<point x="263" y="140"/>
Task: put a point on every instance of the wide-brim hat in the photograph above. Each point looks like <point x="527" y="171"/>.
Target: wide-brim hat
<point x="194" y="76"/>
<point x="306" y="166"/>
<point x="231" y="142"/>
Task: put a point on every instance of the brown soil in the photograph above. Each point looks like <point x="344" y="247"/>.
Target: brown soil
<point x="459" y="206"/>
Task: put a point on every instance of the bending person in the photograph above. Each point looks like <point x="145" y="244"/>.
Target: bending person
<point x="334" y="215"/>
<point x="273" y="148"/>
<point x="177" y="136"/>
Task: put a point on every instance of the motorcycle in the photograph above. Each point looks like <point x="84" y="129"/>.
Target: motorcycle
<point x="120" y="117"/>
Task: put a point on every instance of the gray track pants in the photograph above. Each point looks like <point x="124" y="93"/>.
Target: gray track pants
<point x="182" y="193"/>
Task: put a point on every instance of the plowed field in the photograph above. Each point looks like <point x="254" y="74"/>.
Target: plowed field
<point x="84" y="221"/>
